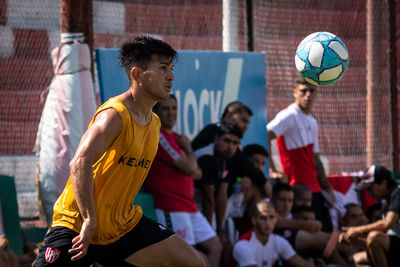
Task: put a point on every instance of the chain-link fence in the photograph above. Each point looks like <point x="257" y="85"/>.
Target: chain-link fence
<point x="29" y="31"/>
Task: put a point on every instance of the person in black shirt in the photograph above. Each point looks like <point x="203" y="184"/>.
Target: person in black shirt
<point x="242" y="165"/>
<point x="383" y="240"/>
<point x="216" y="168"/>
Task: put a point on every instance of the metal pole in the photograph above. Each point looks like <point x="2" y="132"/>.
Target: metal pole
<point x="76" y="17"/>
<point x="250" y="27"/>
<point x="373" y="51"/>
<point x="392" y="60"/>
<point x="230" y="25"/>
<point x="71" y="16"/>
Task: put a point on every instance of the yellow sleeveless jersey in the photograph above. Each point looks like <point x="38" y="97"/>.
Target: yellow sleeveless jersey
<point x="118" y="176"/>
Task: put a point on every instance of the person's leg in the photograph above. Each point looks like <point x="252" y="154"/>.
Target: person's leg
<point x="54" y="251"/>
<point x="206" y="239"/>
<point x="361" y="259"/>
<point x="321" y="212"/>
<point x="313" y="245"/>
<point x="378" y="246"/>
<point x="212" y="249"/>
<point x="173" y="251"/>
<point x="193" y="228"/>
<point x="149" y="244"/>
<point x="393" y="254"/>
<point x="178" y="222"/>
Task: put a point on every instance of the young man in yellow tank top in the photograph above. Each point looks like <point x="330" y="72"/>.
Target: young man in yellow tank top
<point x="94" y="219"/>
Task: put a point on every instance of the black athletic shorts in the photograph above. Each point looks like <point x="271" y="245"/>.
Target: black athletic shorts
<point x="393" y="256"/>
<point x="57" y="242"/>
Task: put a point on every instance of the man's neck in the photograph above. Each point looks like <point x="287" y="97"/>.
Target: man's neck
<point x="167" y="130"/>
<point x="305" y="111"/>
<point x="139" y="104"/>
<point x="262" y="238"/>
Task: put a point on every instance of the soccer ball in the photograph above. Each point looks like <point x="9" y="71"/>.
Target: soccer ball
<point x="321" y="58"/>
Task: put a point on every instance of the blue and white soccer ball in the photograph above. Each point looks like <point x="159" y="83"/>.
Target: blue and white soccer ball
<point x="322" y="58"/>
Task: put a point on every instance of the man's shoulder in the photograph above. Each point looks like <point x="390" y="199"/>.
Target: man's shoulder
<point x="207" y="150"/>
<point x="287" y="112"/>
<point x="395" y="195"/>
<point x="247" y="236"/>
<point x="206" y="157"/>
<point x="211" y="126"/>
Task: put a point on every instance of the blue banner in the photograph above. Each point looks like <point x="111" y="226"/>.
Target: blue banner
<point x="205" y="82"/>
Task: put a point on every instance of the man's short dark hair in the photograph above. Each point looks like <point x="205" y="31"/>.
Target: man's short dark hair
<point x="254" y="211"/>
<point x="299" y="189"/>
<point x="229" y="127"/>
<point x="371" y="209"/>
<point x="157" y="106"/>
<point x="279" y="187"/>
<point x="351" y="205"/>
<point x="236" y="107"/>
<point x="139" y="52"/>
<point x="296" y="211"/>
<point x="252" y="149"/>
<point x="381" y="173"/>
<point x="300" y="80"/>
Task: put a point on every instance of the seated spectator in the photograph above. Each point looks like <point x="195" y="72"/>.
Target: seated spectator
<point x="374" y="212"/>
<point x="302" y="195"/>
<point x="282" y="198"/>
<point x="217" y="175"/>
<point x="260" y="247"/>
<point x="303" y="213"/>
<point x="170" y="181"/>
<point x="305" y="235"/>
<point x="252" y="192"/>
<point x="217" y="172"/>
<point x="383" y="239"/>
<point x="242" y="166"/>
<point x="258" y="155"/>
<point x="354" y="216"/>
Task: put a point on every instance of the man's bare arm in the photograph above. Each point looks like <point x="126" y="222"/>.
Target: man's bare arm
<point x="309" y="226"/>
<point x="323" y="180"/>
<point x="96" y="140"/>
<point x="274" y="174"/>
<point x="381" y="225"/>
<point x="187" y="163"/>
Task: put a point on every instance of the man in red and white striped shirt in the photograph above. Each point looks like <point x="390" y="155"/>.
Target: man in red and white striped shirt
<point x="296" y="132"/>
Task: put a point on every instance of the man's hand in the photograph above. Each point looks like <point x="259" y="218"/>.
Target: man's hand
<point x="350" y="234"/>
<point x="245" y="184"/>
<point x="184" y="143"/>
<point x="312" y="226"/>
<point x="281" y="177"/>
<point x="81" y="242"/>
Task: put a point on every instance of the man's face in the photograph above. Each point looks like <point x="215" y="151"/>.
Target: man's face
<point x="259" y="161"/>
<point x="242" y="120"/>
<point x="304" y="199"/>
<point x="226" y="145"/>
<point x="265" y="221"/>
<point x="377" y="191"/>
<point x="305" y="95"/>
<point x="306" y="216"/>
<point x="354" y="217"/>
<point x="167" y="113"/>
<point x="157" y="78"/>
<point x="376" y="215"/>
<point x="283" y="203"/>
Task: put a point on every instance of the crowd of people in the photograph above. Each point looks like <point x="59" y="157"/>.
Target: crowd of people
<point x="214" y="204"/>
